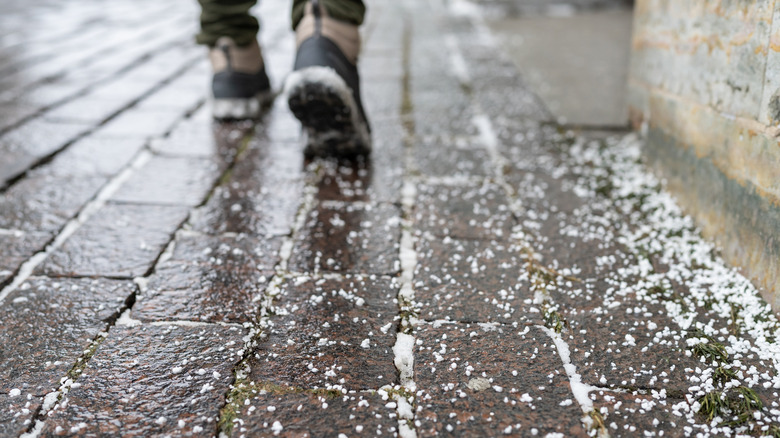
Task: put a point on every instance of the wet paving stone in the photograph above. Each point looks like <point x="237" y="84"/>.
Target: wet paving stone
<point x="26" y="145"/>
<point x="331" y="333"/>
<point x="152" y="380"/>
<point x="350" y="239"/>
<point x="121" y="240"/>
<point x="285" y="412"/>
<point x="16" y="248"/>
<point x="141" y="124"/>
<point x="467" y="212"/>
<point x="44" y="202"/>
<point x="491" y="380"/>
<point x="210" y="279"/>
<point x="259" y="198"/>
<point x="16" y="413"/>
<point x="472" y="281"/>
<point x="455" y="157"/>
<point x="170" y="181"/>
<point x="603" y="347"/>
<point x="47" y="324"/>
<point x="95" y="155"/>
<point x="198" y="136"/>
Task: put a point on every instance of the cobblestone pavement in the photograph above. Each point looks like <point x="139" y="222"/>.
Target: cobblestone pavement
<point x="483" y="274"/>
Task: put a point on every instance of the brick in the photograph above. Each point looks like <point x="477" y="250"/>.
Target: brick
<point x="490" y="380"/>
<point x="472" y="281"/>
<point x="119" y="241"/>
<point x="210" y="279"/>
<point x="350" y="239"/>
<point x="468" y="212"/>
<point x="47" y="324"/>
<point x="332" y="332"/>
<point x="170" y="181"/>
<point x="634" y="414"/>
<point x="146" y="380"/>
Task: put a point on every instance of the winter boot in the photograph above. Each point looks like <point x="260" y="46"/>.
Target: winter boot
<point x="324" y="89"/>
<point x="240" y="85"/>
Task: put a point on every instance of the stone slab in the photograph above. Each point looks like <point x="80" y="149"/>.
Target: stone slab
<point x="121" y="240"/>
<point x="46" y="326"/>
<point x="210" y="279"/>
<point x="152" y="380"/>
<point x="330" y="332"/>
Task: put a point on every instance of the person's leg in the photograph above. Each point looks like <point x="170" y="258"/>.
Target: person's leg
<point x="324" y="90"/>
<point x="227" y="18"/>
<point x="349" y="11"/>
<point x="240" y="86"/>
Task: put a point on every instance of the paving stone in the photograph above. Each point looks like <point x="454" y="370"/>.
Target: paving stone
<point x="375" y="179"/>
<point x="26" y="145"/>
<point x="634" y="414"/>
<point x="472" y="281"/>
<point x="16" y="413"/>
<point x="451" y="157"/>
<point x="85" y="109"/>
<point x="308" y="414"/>
<point x="257" y="200"/>
<point x="170" y="181"/>
<point x="350" y="239"/>
<point x="512" y="383"/>
<point x="210" y="279"/>
<point x="152" y="380"/>
<point x="140" y="124"/>
<point x="95" y="155"/>
<point x="44" y="203"/>
<point x="332" y="332"/>
<point x="16" y="248"/>
<point x="46" y="326"/>
<point x="463" y="212"/>
<point x="196" y="137"/>
<point x="604" y="346"/>
<point x="121" y="240"/>
<point x="382" y="97"/>
<point x="278" y="125"/>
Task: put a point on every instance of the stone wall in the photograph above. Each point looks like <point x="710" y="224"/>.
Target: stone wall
<point x="705" y="88"/>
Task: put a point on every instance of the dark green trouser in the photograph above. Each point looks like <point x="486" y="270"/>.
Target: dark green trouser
<point x="231" y="18"/>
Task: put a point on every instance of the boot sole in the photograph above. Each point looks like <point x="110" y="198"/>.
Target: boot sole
<point x="323" y="102"/>
<point x="240" y="108"/>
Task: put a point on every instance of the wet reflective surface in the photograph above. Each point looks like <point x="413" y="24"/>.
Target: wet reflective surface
<point x="163" y="274"/>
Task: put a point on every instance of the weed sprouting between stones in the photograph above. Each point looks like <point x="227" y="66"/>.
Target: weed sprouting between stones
<point x="242" y="392"/>
<point x="736" y="406"/>
<point x="712" y="350"/>
<point x="598" y="424"/>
